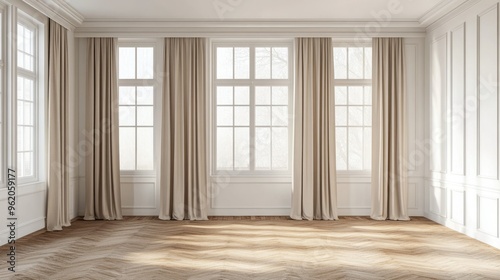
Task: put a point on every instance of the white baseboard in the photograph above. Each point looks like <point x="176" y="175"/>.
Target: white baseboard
<point x="23" y="229"/>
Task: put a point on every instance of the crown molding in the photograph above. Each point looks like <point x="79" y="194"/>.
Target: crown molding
<point x="237" y="29"/>
<point x="59" y="11"/>
<point x="444" y="10"/>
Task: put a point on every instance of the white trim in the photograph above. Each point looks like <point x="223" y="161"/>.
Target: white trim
<point x="249" y="29"/>
<point x="434" y="19"/>
<point x="59" y="11"/>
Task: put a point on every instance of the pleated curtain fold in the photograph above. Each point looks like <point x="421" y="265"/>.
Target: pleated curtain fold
<point x="103" y="199"/>
<point x="57" y="128"/>
<point x="314" y="170"/>
<point x="389" y="152"/>
<point x="183" y="180"/>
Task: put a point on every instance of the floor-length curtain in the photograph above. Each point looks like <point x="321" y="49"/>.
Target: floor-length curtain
<point x="183" y="182"/>
<point x="57" y="128"/>
<point x="103" y="168"/>
<point x="314" y="171"/>
<point x="389" y="178"/>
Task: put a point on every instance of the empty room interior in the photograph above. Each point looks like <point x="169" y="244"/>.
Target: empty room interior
<point x="250" y="139"/>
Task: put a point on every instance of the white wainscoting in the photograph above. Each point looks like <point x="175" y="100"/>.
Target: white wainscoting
<point x="463" y="103"/>
<point x="31" y="206"/>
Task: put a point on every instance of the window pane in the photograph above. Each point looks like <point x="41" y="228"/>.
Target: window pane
<point x="224" y="115"/>
<point x="355" y="63"/>
<point x="262" y="95"/>
<point x="355" y="95"/>
<point x="367" y="155"/>
<point x="28" y="113"/>
<point x="145" y="95"/>
<point x="262" y="63"/>
<point x="145" y="115"/>
<point x="241" y="115"/>
<point x="20" y="163"/>
<point x="340" y="95"/>
<point x="280" y="63"/>
<point x="127" y="63"/>
<point x="355" y="117"/>
<point x="280" y="148"/>
<point x="341" y="115"/>
<point x="145" y="65"/>
<point x="355" y="148"/>
<point x="126" y="96"/>
<point x="20" y="112"/>
<point x="280" y="115"/>
<point x="225" y="148"/>
<point x="20" y="138"/>
<point x="340" y="63"/>
<point x="367" y="120"/>
<point x="224" y="95"/>
<point x="241" y="63"/>
<point x="28" y="164"/>
<point x="28" y="89"/>
<point x="241" y="95"/>
<point x="127" y="115"/>
<point x="145" y="148"/>
<point x="341" y="145"/>
<point x="241" y="148"/>
<point x="368" y="63"/>
<point x="127" y="148"/>
<point x="368" y="95"/>
<point x="224" y="63"/>
<point x="262" y="148"/>
<point x="262" y="115"/>
<point x="20" y="87"/>
<point x="280" y="96"/>
<point x="27" y="138"/>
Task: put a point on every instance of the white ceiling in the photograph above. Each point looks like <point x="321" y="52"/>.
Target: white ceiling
<point x="250" y="9"/>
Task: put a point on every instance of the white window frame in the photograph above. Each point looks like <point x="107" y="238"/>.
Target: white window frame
<point x="38" y="98"/>
<point x="252" y="82"/>
<point x="353" y="82"/>
<point x="154" y="82"/>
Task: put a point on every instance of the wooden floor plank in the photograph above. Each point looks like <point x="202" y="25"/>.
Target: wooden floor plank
<point x="253" y="248"/>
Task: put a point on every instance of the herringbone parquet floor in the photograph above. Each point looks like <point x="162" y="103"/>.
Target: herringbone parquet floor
<point x="253" y="248"/>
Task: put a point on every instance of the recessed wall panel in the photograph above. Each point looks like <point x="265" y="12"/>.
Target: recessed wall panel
<point x="488" y="93"/>
<point x="438" y="104"/>
<point x="457" y="104"/>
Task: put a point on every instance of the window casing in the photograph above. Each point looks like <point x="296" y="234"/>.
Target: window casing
<point x="252" y="90"/>
<point x="136" y="82"/>
<point x="353" y="109"/>
<point x="28" y="120"/>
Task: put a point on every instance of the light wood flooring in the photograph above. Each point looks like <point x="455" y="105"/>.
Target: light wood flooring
<point x="253" y="248"/>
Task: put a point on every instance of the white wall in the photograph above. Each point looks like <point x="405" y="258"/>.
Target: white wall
<point x="462" y="179"/>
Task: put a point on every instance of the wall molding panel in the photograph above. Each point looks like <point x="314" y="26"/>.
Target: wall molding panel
<point x="465" y="196"/>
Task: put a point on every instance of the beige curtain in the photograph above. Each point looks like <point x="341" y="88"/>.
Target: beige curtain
<point x="183" y="182"/>
<point x="103" y="169"/>
<point x="389" y="179"/>
<point x="58" y="182"/>
<point x="314" y="171"/>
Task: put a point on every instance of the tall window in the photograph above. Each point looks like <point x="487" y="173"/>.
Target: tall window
<point x="252" y="93"/>
<point x="27" y="100"/>
<point x="136" y="105"/>
<point x="353" y="109"/>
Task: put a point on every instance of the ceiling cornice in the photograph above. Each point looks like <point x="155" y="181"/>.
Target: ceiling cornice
<point x="148" y="28"/>
<point x="59" y="11"/>
<point x="444" y="10"/>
